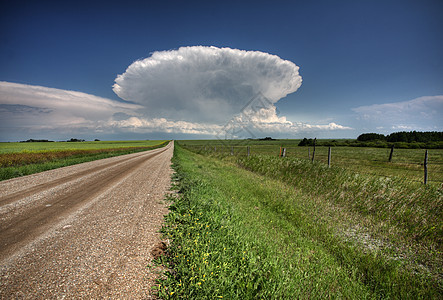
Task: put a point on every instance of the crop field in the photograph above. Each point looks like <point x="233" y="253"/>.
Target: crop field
<point x="18" y="159"/>
<point x="405" y="163"/>
<point x="264" y="227"/>
<point x="59" y="146"/>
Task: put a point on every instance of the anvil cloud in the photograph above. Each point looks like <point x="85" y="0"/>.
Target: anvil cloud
<point x="205" y="84"/>
<point x="193" y="90"/>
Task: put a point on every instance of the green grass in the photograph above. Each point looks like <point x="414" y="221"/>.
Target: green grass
<point x="20" y="159"/>
<point x="401" y="211"/>
<point x="237" y="234"/>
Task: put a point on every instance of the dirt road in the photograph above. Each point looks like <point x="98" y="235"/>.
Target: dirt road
<point x="84" y="231"/>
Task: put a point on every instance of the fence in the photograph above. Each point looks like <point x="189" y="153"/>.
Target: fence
<point x="416" y="164"/>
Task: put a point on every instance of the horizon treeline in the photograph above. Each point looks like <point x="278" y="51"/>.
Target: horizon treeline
<point x="402" y="139"/>
<point x="403" y="136"/>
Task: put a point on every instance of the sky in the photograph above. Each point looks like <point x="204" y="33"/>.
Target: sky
<point x="122" y="70"/>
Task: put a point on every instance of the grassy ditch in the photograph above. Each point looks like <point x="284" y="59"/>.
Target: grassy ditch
<point x="26" y="162"/>
<point x="414" y="208"/>
<point x="236" y="234"/>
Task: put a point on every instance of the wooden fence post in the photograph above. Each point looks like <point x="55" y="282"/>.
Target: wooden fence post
<point x="329" y="157"/>
<point x="215" y="148"/>
<point x="426" y="167"/>
<point x="283" y="154"/>
<point x="313" y="151"/>
<point x="279" y="155"/>
<point x="390" y="154"/>
<point x="232" y="150"/>
<point x="248" y="151"/>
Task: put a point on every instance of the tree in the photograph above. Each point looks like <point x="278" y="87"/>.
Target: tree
<point x="306" y="142"/>
<point x="370" y="137"/>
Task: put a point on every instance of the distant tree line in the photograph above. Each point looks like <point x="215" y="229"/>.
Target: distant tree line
<point x="403" y="136"/>
<point x="371" y="137"/>
<point x="36" y="141"/>
<point x="47" y="141"/>
<point x="268" y="138"/>
<point x="403" y="139"/>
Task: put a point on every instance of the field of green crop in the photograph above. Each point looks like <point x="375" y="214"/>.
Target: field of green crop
<point x="19" y="159"/>
<point x="405" y="163"/>
<point x="58" y="146"/>
<point x="264" y="227"/>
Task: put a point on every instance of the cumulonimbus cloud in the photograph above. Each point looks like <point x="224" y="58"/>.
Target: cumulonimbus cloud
<point x="193" y="90"/>
<point x="205" y="84"/>
<point x="213" y="87"/>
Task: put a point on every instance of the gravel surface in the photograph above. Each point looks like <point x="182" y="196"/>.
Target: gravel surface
<point x="84" y="231"/>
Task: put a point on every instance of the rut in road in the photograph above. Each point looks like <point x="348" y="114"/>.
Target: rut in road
<point x="34" y="234"/>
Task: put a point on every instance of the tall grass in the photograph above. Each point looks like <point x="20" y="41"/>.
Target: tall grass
<point x="414" y="207"/>
<point x="235" y="234"/>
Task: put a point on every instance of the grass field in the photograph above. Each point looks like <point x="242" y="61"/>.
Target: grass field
<point x="18" y="159"/>
<point x="406" y="163"/>
<point x="264" y="227"/>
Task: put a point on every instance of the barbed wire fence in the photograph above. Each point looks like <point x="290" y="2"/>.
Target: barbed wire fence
<point x="428" y="163"/>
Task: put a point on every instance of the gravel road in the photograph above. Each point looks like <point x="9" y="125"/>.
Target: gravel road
<point x="84" y="231"/>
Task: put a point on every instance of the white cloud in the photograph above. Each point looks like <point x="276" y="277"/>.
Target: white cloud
<point x="265" y="121"/>
<point x="205" y="84"/>
<point x="141" y="125"/>
<point x="423" y="113"/>
<point x="213" y="86"/>
<point x="35" y="108"/>
<point x="40" y="107"/>
<point x="192" y="90"/>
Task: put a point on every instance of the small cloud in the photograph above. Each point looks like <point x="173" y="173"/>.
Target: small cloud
<point x="402" y="127"/>
<point x="423" y="113"/>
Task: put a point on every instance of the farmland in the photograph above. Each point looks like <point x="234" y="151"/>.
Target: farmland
<point x="58" y="146"/>
<point x="269" y="227"/>
<point x="18" y="159"/>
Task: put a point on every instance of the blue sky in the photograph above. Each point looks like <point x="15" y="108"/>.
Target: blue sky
<point x="366" y="66"/>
